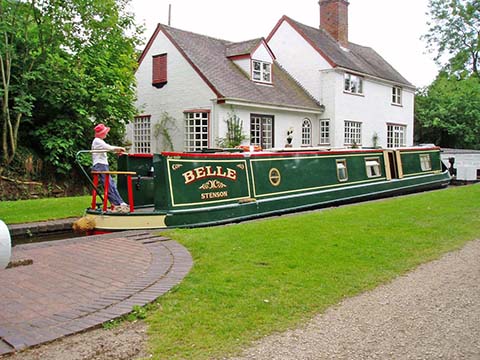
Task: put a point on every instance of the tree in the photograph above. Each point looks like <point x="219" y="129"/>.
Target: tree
<point x="80" y="60"/>
<point x="454" y="33"/>
<point x="447" y="113"/>
<point x="20" y="51"/>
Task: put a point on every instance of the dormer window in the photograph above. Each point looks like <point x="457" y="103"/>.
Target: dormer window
<point x="261" y="71"/>
<point x="353" y="84"/>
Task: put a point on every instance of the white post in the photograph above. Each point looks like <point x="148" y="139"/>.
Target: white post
<point x="5" y="245"/>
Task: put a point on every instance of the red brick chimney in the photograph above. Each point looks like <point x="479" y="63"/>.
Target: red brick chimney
<point x="334" y="19"/>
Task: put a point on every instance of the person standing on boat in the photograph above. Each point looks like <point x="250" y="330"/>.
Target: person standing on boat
<point x="100" y="163"/>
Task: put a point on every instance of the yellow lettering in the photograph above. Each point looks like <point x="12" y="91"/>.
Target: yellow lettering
<point x="231" y="174"/>
<point x="189" y="176"/>
<point x="200" y="172"/>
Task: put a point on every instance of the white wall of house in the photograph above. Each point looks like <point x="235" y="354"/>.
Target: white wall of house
<point x="262" y="54"/>
<point x="185" y="90"/>
<point x="373" y="109"/>
<point x="299" y="58"/>
<point x="283" y="121"/>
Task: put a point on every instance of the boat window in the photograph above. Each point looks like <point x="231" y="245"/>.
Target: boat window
<point x="425" y="162"/>
<point x="342" y="173"/>
<point x="373" y="167"/>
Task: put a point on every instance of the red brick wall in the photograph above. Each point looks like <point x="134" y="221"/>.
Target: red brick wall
<point x="334" y="19"/>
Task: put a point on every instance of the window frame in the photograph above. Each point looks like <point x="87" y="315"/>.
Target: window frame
<point x="397" y="93"/>
<point x="192" y="120"/>
<point x="263" y="130"/>
<point x="396" y="135"/>
<point x="324" y="128"/>
<point x="306" y="132"/>
<point x="352" y="132"/>
<point x="370" y="166"/>
<point x="142" y="134"/>
<point x="342" y="162"/>
<point x="425" y="162"/>
<point x="353" y="80"/>
<point x="262" y="71"/>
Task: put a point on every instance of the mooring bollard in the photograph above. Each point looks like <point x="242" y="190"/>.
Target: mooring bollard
<point x="5" y="245"/>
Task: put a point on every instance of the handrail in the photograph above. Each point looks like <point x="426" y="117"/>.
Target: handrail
<point x="77" y="160"/>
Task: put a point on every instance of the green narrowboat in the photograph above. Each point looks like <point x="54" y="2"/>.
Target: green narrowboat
<point x="187" y="189"/>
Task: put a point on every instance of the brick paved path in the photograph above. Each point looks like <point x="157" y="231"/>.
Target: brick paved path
<point x="77" y="284"/>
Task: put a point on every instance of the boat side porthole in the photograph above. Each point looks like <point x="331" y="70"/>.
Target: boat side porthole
<point x="274" y="177"/>
<point x="342" y="173"/>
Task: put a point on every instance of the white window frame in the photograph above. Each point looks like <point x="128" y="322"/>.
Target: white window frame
<point x="142" y="134"/>
<point x="396" y="135"/>
<point x="353" y="133"/>
<point x="353" y="84"/>
<point x="262" y="73"/>
<point x="396" y="95"/>
<point x="197" y="130"/>
<point x="372" y="166"/>
<point x="425" y="162"/>
<point x="306" y="132"/>
<point x="342" y="171"/>
<point x="325" y="132"/>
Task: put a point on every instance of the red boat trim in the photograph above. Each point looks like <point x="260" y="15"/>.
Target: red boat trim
<point x="141" y="155"/>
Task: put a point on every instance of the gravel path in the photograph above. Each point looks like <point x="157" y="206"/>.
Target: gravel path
<point x="430" y="313"/>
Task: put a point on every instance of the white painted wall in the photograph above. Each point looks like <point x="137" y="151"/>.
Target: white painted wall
<point x="467" y="163"/>
<point x="185" y="90"/>
<point x="262" y="54"/>
<point x="283" y="120"/>
<point x="245" y="65"/>
<point x="374" y="109"/>
<point x="298" y="58"/>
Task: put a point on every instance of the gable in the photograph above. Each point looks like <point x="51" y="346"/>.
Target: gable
<point x="356" y="58"/>
<point x="208" y="57"/>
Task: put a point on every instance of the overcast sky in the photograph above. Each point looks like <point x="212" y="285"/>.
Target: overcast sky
<point x="392" y="27"/>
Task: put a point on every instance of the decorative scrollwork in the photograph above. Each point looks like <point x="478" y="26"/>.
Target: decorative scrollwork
<point x="176" y="166"/>
<point x="212" y="184"/>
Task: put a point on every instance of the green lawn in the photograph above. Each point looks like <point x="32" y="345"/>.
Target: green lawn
<point x="252" y="279"/>
<point x="22" y="211"/>
<point x="255" y="278"/>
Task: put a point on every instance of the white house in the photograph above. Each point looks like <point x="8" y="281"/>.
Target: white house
<point x="331" y="92"/>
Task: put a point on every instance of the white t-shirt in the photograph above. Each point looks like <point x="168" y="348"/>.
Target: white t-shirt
<point x="101" y="157"/>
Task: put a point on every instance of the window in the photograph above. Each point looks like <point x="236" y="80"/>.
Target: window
<point x="306" y="133"/>
<point x="261" y="71"/>
<point x="196" y="130"/>
<point x="142" y="135"/>
<point x="396" y="95"/>
<point x="324" y="132"/>
<point x="353" y="84"/>
<point x="261" y="131"/>
<point x="159" y="70"/>
<point x="353" y="133"/>
<point x="372" y="166"/>
<point x="425" y="162"/>
<point x="342" y="174"/>
<point x="396" y="135"/>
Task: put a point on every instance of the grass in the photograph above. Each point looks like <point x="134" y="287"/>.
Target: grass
<point x="252" y="279"/>
<point x="255" y="278"/>
<point x="23" y="211"/>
